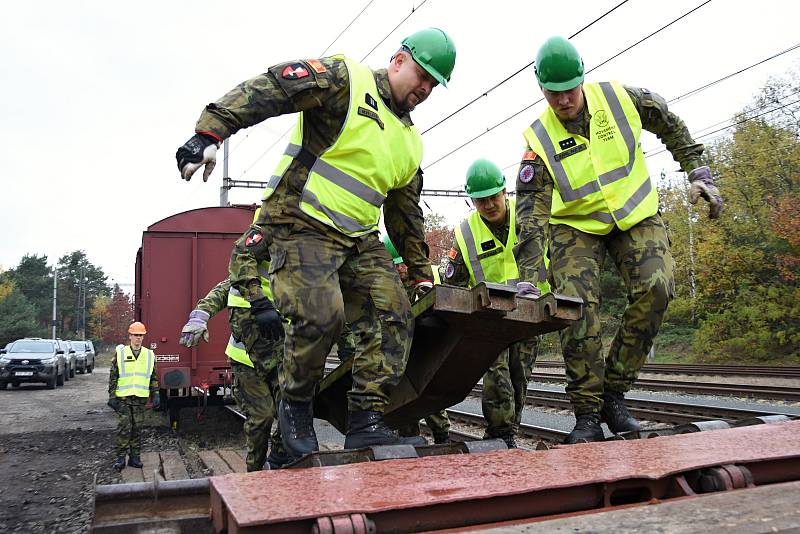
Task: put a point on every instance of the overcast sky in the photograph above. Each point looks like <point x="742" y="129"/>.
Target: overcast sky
<point x="95" y="97"/>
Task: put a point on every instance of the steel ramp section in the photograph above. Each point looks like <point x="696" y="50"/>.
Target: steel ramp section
<point x="459" y="490"/>
<point x="458" y="335"/>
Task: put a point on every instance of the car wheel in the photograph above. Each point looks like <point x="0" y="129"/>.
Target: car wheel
<point x="72" y="372"/>
<point x="14" y="384"/>
<point x="60" y="379"/>
<point x="90" y="369"/>
<point x="3" y="384"/>
<point x="51" y="384"/>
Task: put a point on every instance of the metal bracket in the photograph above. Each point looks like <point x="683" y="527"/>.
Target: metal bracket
<point x="344" y="524"/>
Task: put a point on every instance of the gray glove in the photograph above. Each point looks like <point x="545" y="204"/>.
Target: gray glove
<point x="703" y="186"/>
<point x="421" y="288"/>
<point x="196" y="328"/>
<point x="526" y="289"/>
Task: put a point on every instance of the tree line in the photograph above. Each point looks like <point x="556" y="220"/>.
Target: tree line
<point x="87" y="306"/>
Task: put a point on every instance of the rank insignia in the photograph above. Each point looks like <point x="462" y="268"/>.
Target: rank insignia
<point x="453" y="254"/>
<point x="371" y="102"/>
<point x="526" y="174"/>
<point x="295" y="71"/>
<point x="318" y="67"/>
<point x="529" y="155"/>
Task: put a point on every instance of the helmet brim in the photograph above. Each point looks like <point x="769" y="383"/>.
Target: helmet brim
<point x="433" y="72"/>
<point x="563" y="86"/>
<point x="486" y="192"/>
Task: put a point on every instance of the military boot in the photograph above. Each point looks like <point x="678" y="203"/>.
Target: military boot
<point x="296" y="420"/>
<point x="367" y="428"/>
<point x="278" y="457"/>
<point x="119" y="463"/>
<point x="134" y="461"/>
<point x="509" y="439"/>
<point x="615" y="414"/>
<point x="587" y="428"/>
<point x="441" y="439"/>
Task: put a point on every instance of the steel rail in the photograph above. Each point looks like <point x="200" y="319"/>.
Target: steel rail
<point x="704" y="369"/>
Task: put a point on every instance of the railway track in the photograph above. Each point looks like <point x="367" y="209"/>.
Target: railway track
<point x="785" y="393"/>
<point x="704" y="369"/>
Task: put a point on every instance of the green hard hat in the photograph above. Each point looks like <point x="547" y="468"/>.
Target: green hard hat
<point x="434" y="51"/>
<point x="484" y="179"/>
<point x="559" y="67"/>
<point x="397" y="259"/>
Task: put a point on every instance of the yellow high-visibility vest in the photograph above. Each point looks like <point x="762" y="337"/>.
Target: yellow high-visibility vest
<point x="134" y="373"/>
<point x="601" y="182"/>
<point x="436" y="278"/>
<point x="374" y="153"/>
<point x="495" y="261"/>
<point x="237" y="352"/>
<point x="235" y="298"/>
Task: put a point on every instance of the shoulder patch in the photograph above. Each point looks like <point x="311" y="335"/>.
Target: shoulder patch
<point x="452" y="254"/>
<point x="295" y="71"/>
<point x="315" y="64"/>
<point x="253" y="238"/>
<point x="449" y="271"/>
<point x="529" y="155"/>
<point x="526" y="173"/>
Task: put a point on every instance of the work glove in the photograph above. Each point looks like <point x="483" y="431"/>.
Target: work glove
<point x="703" y="186"/>
<point x="268" y="318"/>
<point x="115" y="404"/>
<point x="196" y="328"/>
<point x="200" y="150"/>
<point x="156" y="400"/>
<point x="420" y="289"/>
<point x="526" y="289"/>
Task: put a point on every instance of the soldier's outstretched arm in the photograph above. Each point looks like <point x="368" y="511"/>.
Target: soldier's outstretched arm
<point x="405" y="226"/>
<point x="285" y="88"/>
<point x="672" y="131"/>
<point x="196" y="327"/>
<point x="534" y="194"/>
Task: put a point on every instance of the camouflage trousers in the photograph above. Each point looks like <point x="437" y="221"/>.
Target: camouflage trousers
<point x="505" y="385"/>
<point x="256" y="388"/>
<point x="438" y="423"/>
<point x="130" y="420"/>
<point x="643" y="258"/>
<point x="318" y="285"/>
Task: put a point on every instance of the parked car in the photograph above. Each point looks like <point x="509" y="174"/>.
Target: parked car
<point x="90" y="349"/>
<point x="33" y="360"/>
<point x="83" y="358"/>
<point x="69" y="354"/>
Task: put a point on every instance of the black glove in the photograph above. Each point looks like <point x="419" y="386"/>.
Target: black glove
<point x="268" y="318"/>
<point x="115" y="404"/>
<point x="200" y="150"/>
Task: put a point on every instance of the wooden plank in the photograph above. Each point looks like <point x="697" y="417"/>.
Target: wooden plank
<point x="234" y="460"/>
<point x="212" y="461"/>
<point x="172" y="466"/>
<point x="152" y="466"/>
<point x="129" y="475"/>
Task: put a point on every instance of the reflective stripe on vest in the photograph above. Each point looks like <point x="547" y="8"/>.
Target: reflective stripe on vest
<point x="235" y="298"/>
<point x="237" y="352"/>
<point x="373" y="154"/>
<point x="602" y="181"/>
<point x="134" y="373"/>
<point x="497" y="264"/>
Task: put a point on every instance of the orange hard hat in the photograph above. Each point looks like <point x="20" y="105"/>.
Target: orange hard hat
<point x="137" y="328"/>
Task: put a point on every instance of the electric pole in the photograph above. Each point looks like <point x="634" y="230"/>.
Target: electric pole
<point x="55" y="298"/>
<point x="223" y="191"/>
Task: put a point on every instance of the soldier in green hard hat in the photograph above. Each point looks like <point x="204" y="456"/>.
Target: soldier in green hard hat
<point x="584" y="192"/>
<point x="483" y="251"/>
<point x="354" y="153"/>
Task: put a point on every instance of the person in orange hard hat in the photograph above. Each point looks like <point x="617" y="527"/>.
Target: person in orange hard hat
<point x="131" y="382"/>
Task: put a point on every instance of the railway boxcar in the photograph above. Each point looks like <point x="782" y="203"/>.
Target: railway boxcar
<point x="181" y="258"/>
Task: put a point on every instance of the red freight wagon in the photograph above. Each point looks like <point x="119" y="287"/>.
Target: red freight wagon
<point x="182" y="257"/>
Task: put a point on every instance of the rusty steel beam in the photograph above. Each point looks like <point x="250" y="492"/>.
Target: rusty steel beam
<point x="458" y="334"/>
<point x="463" y="490"/>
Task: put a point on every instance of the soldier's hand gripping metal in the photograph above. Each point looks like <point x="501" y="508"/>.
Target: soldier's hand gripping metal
<point x="196" y="328"/>
<point x="200" y="150"/>
<point x="115" y="404"/>
<point x="421" y="288"/>
<point x="267" y="317"/>
<point x="703" y="186"/>
<point x="526" y="289"/>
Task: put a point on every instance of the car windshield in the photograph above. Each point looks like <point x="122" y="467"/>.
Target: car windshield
<point x="79" y="347"/>
<point x="32" y="346"/>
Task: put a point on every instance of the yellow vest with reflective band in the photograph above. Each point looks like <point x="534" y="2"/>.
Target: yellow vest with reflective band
<point x="602" y="181"/>
<point x="235" y="298"/>
<point x="237" y="352"/>
<point x="437" y="280"/>
<point x="373" y="154"/>
<point x="496" y="263"/>
<point x="134" y="373"/>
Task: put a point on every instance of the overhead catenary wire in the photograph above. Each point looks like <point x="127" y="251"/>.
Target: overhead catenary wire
<point x="512" y="75"/>
<point x="626" y="49"/>
<point x="284" y="134"/>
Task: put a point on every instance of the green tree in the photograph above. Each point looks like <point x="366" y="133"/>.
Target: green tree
<point x="72" y="268"/>
<point x="35" y="280"/>
<point x="17" y="317"/>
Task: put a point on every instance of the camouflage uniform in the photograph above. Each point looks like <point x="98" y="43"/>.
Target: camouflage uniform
<point x="321" y="277"/>
<point x="130" y="418"/>
<point x="641" y="255"/>
<point x="505" y="383"/>
<point x="255" y="388"/>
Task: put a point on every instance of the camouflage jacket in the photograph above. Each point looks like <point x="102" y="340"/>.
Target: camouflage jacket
<point x="456" y="272"/>
<point x="534" y="197"/>
<point x="216" y="300"/>
<point x="321" y="90"/>
<point x="114" y="376"/>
